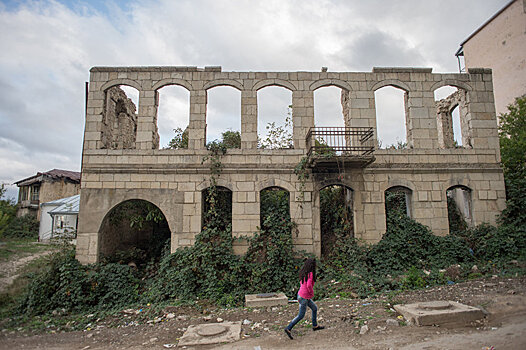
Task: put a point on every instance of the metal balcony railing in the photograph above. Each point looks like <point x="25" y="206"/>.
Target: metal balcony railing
<point x="340" y="141"/>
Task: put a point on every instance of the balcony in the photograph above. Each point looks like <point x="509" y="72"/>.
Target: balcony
<point x="334" y="147"/>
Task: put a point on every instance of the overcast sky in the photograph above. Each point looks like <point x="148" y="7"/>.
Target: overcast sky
<point x="48" y="47"/>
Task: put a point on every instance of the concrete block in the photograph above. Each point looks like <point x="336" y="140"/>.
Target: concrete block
<point x="439" y="313"/>
<point x="265" y="299"/>
<point x="211" y="333"/>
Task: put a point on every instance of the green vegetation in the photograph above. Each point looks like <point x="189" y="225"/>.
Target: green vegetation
<point x="7" y="210"/>
<point x="408" y="256"/>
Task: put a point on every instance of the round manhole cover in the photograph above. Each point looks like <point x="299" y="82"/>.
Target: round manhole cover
<point x="211" y="330"/>
<point x="435" y="305"/>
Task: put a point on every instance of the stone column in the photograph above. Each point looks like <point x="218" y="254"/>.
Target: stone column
<point x="302" y="116"/>
<point x="197" y="124"/>
<point x="147" y="137"/>
<point x="362" y="111"/>
<point x="249" y="119"/>
<point x="245" y="213"/>
<point x="421" y="121"/>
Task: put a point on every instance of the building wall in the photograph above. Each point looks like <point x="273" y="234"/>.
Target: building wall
<point x="501" y="46"/>
<point x="52" y="190"/>
<point x="173" y="179"/>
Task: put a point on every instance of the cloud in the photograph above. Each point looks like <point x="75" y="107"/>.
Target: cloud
<point x="49" y="46"/>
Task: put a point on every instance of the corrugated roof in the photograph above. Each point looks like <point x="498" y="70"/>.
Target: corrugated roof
<point x="69" y="205"/>
<point x="51" y="174"/>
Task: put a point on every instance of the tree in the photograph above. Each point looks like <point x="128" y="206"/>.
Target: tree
<point x="279" y="136"/>
<point x="7" y="210"/>
<point x="180" y="140"/>
<point x="512" y="134"/>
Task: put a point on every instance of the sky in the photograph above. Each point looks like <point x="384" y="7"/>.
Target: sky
<point x="48" y="47"/>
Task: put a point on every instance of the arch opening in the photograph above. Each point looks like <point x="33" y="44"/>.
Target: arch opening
<point x="223" y="114"/>
<point x="453" y="117"/>
<point x="336" y="216"/>
<point x="398" y="203"/>
<point x="459" y="208"/>
<point x="173" y="116"/>
<point x="119" y="118"/>
<point x="274" y="118"/>
<point x="331" y="107"/>
<point x="274" y="207"/>
<point x="134" y="230"/>
<point x="391" y="117"/>
<point x="216" y="207"/>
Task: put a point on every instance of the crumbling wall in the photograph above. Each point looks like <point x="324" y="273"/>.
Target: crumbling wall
<point x="444" y="109"/>
<point x="119" y="121"/>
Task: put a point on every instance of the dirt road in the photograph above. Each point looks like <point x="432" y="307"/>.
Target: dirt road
<point x="504" y="327"/>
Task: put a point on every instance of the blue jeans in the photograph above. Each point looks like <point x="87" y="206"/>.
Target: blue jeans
<point x="303" y="308"/>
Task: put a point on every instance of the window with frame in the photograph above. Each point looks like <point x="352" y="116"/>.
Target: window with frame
<point x="35" y="193"/>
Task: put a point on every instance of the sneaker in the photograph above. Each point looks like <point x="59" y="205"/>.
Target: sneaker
<point x="287" y="332"/>
<point x="317" y="328"/>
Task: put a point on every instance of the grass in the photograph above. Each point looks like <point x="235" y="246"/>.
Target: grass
<point x="10" y="247"/>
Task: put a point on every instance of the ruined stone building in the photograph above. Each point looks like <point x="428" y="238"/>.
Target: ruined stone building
<point x="44" y="187"/>
<point x="122" y="160"/>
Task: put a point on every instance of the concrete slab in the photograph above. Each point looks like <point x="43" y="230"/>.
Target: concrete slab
<point x="211" y="333"/>
<point x="265" y="299"/>
<point x="439" y="313"/>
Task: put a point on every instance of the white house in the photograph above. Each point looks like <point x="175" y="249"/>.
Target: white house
<point x="58" y="216"/>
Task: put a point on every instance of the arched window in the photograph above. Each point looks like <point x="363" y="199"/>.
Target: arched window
<point x="119" y="118"/>
<point x="459" y="208"/>
<point x="398" y="201"/>
<point x="329" y="110"/>
<point x="336" y="216"/>
<point x="134" y="224"/>
<point x="216" y="207"/>
<point x="274" y="118"/>
<point x="223" y="112"/>
<point x="173" y="116"/>
<point x="274" y="206"/>
<point x="452" y="117"/>
<point x="391" y="117"/>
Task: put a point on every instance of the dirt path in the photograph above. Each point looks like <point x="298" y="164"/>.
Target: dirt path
<point x="10" y="268"/>
<point x="503" y="328"/>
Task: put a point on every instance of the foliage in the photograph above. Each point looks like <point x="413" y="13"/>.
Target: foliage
<point x="231" y="139"/>
<point x="180" y="140"/>
<point x="336" y="216"/>
<point x="7" y="210"/>
<point x="22" y="227"/>
<point x="279" y="136"/>
<point x="456" y="220"/>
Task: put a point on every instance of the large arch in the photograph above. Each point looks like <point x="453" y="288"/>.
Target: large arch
<point x="133" y="224"/>
<point x="392" y="115"/>
<point x="452" y="82"/>
<point x="398" y="197"/>
<point x="274" y="113"/>
<point x="459" y="207"/>
<point x="391" y="82"/>
<point x="273" y="200"/>
<point x="174" y="121"/>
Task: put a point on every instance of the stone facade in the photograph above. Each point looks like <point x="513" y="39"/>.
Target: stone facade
<point x="173" y="180"/>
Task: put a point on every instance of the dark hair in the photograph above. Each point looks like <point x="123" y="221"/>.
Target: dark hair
<point x="309" y="265"/>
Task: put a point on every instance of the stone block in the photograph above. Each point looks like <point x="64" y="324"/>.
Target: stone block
<point x="211" y="333"/>
<point x="266" y="299"/>
<point x="439" y="313"/>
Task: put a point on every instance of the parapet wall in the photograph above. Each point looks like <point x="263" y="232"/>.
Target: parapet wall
<point x="173" y="179"/>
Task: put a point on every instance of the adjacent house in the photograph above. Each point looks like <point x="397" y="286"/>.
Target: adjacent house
<point x="500" y="44"/>
<point x="58" y="217"/>
<point x="45" y="187"/>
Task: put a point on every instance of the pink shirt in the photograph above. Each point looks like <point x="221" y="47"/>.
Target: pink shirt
<point x="307" y="288"/>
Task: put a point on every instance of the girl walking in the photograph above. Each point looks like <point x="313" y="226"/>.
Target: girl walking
<point x="307" y="277"/>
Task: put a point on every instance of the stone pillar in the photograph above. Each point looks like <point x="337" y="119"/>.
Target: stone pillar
<point x="249" y="119"/>
<point x="362" y="111"/>
<point x="197" y="124"/>
<point x="94" y="111"/>
<point x="302" y="212"/>
<point x="444" y="125"/>
<point x="421" y="121"/>
<point x="146" y="121"/>
<point x="302" y="116"/>
<point x="245" y="213"/>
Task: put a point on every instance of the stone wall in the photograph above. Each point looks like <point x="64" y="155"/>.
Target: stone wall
<point x="173" y="180"/>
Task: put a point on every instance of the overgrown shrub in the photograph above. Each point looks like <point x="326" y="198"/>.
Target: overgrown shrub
<point x="22" y="227"/>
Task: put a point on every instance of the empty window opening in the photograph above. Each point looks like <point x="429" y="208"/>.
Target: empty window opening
<point x="274" y="207"/>
<point x="336" y="216"/>
<point x="459" y="208"/>
<point x="136" y="226"/>
<point x="216" y="207"/>
<point x="452" y="117"/>
<point x="328" y="109"/>
<point x="223" y="112"/>
<point x="119" y="118"/>
<point x="397" y="203"/>
<point x="391" y="117"/>
<point x="274" y="118"/>
<point x="173" y="115"/>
